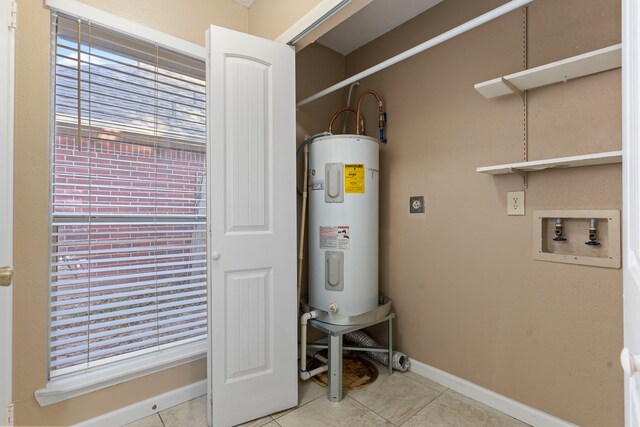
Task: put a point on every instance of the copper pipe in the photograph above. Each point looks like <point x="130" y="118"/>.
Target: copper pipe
<point x="340" y="111"/>
<point x="365" y="93"/>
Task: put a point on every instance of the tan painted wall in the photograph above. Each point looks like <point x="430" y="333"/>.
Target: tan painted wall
<point x="270" y="18"/>
<point x="185" y="19"/>
<point x="31" y="204"/>
<point x="469" y="297"/>
<point x="317" y="67"/>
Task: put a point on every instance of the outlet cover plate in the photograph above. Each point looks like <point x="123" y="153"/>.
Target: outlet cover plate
<point x="416" y="204"/>
<point x="515" y="203"/>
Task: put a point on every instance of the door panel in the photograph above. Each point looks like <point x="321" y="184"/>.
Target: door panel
<point x="248" y="174"/>
<point x="250" y="318"/>
<point x="252" y="268"/>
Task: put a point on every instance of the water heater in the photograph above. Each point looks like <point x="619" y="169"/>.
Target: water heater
<point x="343" y="224"/>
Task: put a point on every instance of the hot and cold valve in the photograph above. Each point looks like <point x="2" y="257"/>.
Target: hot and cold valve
<point x="382" y="122"/>
<point x="593" y="233"/>
<point x="382" y="115"/>
<point x="559" y="235"/>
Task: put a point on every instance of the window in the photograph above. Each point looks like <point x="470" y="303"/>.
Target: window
<point x="128" y="216"/>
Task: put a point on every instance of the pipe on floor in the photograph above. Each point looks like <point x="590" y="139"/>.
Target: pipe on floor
<point x="304" y="373"/>
<point x="399" y="361"/>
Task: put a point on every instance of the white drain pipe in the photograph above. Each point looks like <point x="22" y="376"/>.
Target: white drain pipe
<point x="304" y="374"/>
<point x="308" y="374"/>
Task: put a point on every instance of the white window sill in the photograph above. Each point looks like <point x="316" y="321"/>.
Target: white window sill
<point x="74" y="385"/>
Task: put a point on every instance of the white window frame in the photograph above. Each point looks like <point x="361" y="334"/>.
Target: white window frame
<point x="73" y="385"/>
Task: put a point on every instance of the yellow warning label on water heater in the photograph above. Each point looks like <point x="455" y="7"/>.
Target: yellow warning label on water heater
<point x="354" y="178"/>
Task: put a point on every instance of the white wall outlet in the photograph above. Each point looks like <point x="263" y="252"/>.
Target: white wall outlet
<point x="515" y="203"/>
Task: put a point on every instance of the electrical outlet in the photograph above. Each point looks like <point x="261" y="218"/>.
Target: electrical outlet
<point x="416" y="204"/>
<point x="515" y="203"/>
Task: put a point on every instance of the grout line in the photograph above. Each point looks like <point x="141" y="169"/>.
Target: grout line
<point x="485" y="407"/>
<point x="297" y="407"/>
<point x="347" y="394"/>
<point x="372" y="411"/>
<point x="161" y="420"/>
<point x="425" y="407"/>
<point x="440" y="393"/>
<point x="427" y="385"/>
<point x="380" y="415"/>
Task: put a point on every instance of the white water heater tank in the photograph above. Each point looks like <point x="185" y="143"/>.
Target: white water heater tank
<point x="343" y="224"/>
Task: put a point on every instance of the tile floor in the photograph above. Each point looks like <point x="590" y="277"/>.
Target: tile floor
<point x="402" y="399"/>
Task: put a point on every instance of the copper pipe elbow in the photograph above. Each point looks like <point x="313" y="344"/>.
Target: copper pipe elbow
<point x="365" y="93"/>
<point x="337" y="114"/>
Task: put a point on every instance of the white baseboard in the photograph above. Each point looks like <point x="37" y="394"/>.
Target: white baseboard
<point x="508" y="406"/>
<point x="144" y="408"/>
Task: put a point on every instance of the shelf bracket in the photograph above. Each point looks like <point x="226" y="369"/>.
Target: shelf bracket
<point x="513" y="88"/>
<point x="522" y="174"/>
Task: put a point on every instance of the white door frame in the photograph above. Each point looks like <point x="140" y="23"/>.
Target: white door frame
<point x="7" y="39"/>
<point x="631" y="207"/>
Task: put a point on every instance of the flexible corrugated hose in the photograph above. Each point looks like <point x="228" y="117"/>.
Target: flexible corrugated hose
<point x="399" y="361"/>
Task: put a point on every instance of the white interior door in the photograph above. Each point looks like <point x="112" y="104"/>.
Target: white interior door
<point x="252" y="220"/>
<point x="6" y="202"/>
<point x="630" y="357"/>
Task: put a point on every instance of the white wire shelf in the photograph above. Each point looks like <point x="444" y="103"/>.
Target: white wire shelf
<point x="560" y="162"/>
<point x="588" y="63"/>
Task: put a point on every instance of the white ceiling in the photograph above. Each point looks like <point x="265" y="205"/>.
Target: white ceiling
<point x="245" y="3"/>
<point x="374" y="20"/>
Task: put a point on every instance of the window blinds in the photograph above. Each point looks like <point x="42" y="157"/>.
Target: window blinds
<point x="128" y="242"/>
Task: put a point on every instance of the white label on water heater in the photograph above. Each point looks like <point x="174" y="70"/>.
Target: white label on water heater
<point x="335" y="237"/>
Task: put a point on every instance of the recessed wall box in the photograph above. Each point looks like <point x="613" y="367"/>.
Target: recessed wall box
<point x="575" y="228"/>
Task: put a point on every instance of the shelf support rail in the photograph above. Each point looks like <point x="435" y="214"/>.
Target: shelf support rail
<point x="460" y="29"/>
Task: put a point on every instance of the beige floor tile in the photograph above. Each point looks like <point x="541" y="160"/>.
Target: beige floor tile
<point x="264" y="421"/>
<point x="425" y="381"/>
<point x="396" y="398"/>
<point x="194" y="414"/>
<point x="307" y="391"/>
<point x="321" y="412"/>
<point x="150" y="421"/>
<point x="454" y="410"/>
